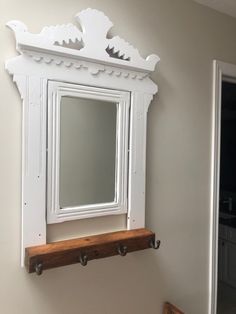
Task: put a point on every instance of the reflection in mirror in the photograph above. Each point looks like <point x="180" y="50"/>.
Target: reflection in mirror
<point x="87" y="151"/>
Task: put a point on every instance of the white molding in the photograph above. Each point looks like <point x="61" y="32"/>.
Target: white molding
<point x="104" y="65"/>
<point x="95" y="27"/>
<point x="221" y="70"/>
<point x="33" y="161"/>
<point x="137" y="159"/>
<point x="56" y="90"/>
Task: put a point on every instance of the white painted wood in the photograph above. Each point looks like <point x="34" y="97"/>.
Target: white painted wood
<point x="95" y="26"/>
<point x="137" y="159"/>
<point x="56" y="90"/>
<point x="221" y="71"/>
<point x="104" y="66"/>
<point x="33" y="91"/>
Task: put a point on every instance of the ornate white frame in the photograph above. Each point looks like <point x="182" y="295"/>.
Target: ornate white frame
<point x="105" y="63"/>
<point x="56" y="90"/>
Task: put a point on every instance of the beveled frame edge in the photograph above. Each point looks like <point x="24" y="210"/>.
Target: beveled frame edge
<point x="56" y="90"/>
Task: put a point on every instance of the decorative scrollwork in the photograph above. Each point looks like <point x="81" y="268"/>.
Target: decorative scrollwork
<point x="91" y="43"/>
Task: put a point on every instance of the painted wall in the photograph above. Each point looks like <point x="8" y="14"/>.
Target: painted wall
<point x="187" y="37"/>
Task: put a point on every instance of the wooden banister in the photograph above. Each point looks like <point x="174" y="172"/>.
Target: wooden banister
<point x="171" y="309"/>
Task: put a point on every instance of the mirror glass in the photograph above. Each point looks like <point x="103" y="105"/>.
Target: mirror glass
<point x="88" y="144"/>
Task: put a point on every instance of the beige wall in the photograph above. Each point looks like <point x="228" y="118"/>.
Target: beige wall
<point x="187" y="37"/>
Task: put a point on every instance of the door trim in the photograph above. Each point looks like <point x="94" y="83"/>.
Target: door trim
<point x="221" y="71"/>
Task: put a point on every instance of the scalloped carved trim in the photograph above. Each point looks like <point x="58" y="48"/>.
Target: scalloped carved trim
<point x="94" y="68"/>
<point x="93" y="38"/>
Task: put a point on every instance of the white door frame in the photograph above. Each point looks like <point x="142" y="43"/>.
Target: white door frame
<point x="222" y="71"/>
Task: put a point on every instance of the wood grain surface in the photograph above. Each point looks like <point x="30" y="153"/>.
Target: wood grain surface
<point x="171" y="309"/>
<point x="98" y="246"/>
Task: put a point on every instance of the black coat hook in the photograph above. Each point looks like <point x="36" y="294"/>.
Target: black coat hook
<point x="83" y="258"/>
<point x="122" y="250"/>
<point x="155" y="244"/>
<point x="38" y="268"/>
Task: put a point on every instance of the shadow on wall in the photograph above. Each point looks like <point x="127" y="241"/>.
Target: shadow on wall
<point x="92" y="286"/>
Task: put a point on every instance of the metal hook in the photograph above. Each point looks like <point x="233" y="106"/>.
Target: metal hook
<point x="83" y="258"/>
<point x="122" y="250"/>
<point x="38" y="268"/>
<point x="155" y="244"/>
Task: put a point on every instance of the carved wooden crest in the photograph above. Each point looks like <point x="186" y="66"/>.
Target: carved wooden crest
<point x="54" y="43"/>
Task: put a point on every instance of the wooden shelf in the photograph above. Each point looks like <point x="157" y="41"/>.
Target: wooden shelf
<point x="82" y="250"/>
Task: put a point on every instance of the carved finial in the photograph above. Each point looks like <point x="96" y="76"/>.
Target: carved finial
<point x="17" y="26"/>
<point x="94" y="21"/>
<point x="95" y="26"/>
<point x="153" y="60"/>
